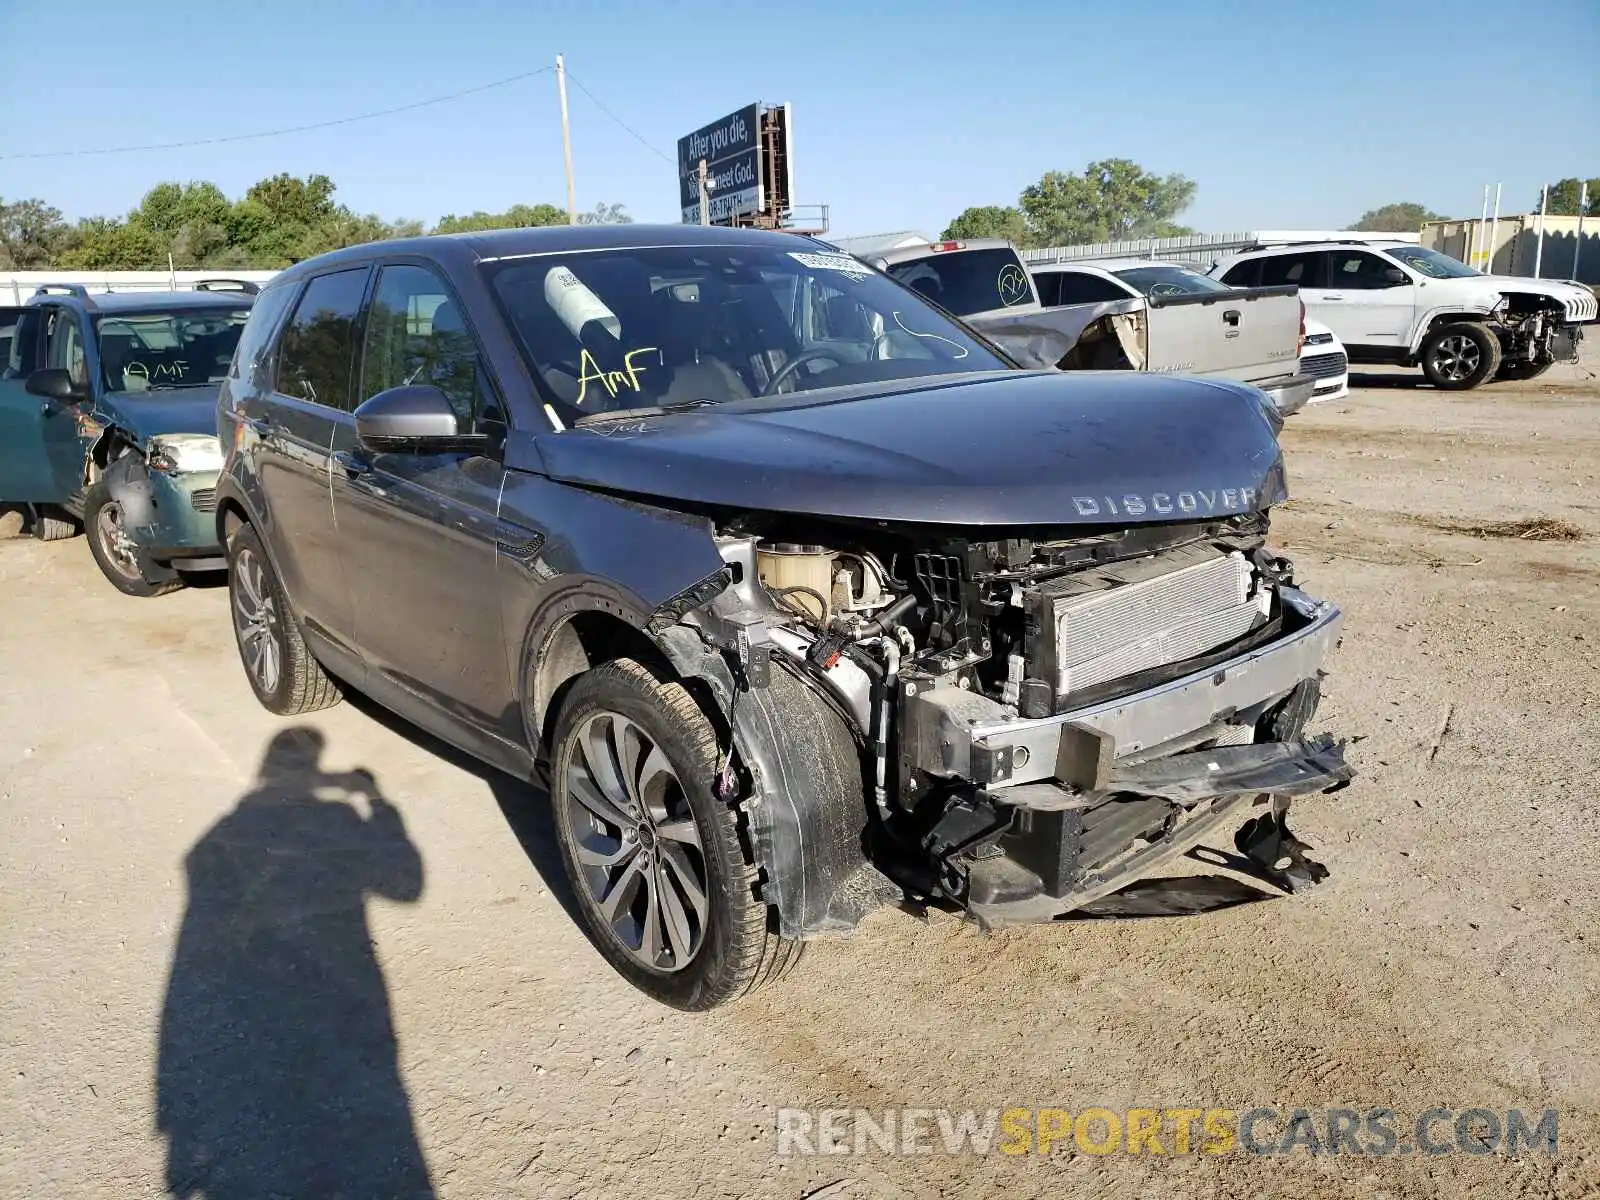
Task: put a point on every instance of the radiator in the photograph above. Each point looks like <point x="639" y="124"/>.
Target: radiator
<point x="1100" y="625"/>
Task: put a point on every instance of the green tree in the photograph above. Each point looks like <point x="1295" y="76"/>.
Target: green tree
<point x="991" y="221"/>
<point x="32" y="233"/>
<point x="606" y="214"/>
<point x="294" y="201"/>
<point x="1405" y="217"/>
<point x="518" y="216"/>
<point x="1564" y="195"/>
<point x="1111" y="200"/>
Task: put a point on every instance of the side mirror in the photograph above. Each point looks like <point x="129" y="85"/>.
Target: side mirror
<point x="55" y="383"/>
<point x="1395" y="277"/>
<point x="413" y="419"/>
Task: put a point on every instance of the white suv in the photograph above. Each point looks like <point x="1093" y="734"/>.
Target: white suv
<point x="1393" y="302"/>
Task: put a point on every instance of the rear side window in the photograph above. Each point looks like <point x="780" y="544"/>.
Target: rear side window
<point x="251" y="353"/>
<point x="1075" y="287"/>
<point x="318" y="347"/>
<point x="1302" y="270"/>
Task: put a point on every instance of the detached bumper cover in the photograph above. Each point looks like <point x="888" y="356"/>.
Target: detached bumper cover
<point x="1290" y="393"/>
<point x="1207" y="793"/>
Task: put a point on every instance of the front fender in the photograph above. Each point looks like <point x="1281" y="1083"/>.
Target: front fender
<point x="805" y="798"/>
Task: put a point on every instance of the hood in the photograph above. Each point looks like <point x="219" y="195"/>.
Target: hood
<point x="149" y="414"/>
<point x="1578" y="300"/>
<point x="1006" y="448"/>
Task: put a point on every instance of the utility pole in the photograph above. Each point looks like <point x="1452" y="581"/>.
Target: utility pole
<point x="1577" y="242"/>
<point x="705" y="194"/>
<point x="1538" y="250"/>
<point x="566" y="139"/>
<point x="1494" y="233"/>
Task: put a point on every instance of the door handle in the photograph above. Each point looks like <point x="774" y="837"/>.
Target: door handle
<point x="355" y="465"/>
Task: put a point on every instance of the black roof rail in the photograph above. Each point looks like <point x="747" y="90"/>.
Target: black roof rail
<point x="1309" y="242"/>
<point x="227" y="285"/>
<point x="76" y="290"/>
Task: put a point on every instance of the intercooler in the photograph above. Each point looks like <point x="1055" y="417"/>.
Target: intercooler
<point x="1099" y="625"/>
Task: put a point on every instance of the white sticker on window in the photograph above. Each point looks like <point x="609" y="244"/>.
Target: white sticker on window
<point x="571" y="300"/>
<point x="832" y="262"/>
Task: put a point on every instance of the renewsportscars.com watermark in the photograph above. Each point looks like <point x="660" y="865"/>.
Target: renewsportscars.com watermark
<point x="1103" y="1131"/>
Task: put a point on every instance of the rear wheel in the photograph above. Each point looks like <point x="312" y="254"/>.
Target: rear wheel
<point x="664" y="886"/>
<point x="1460" y="355"/>
<point x="277" y="662"/>
<point x="120" y="560"/>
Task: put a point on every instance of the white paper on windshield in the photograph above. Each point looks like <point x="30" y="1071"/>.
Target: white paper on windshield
<point x="832" y="262"/>
<point x="571" y="300"/>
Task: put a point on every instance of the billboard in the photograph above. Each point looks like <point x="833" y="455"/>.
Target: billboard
<point x="731" y="148"/>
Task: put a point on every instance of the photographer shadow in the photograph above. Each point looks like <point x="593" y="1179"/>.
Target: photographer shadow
<point x="277" y="1072"/>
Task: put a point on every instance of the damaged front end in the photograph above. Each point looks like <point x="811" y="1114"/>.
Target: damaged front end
<point x="1037" y="720"/>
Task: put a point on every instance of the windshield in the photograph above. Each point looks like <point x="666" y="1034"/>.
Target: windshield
<point x="1430" y="262"/>
<point x="968" y="281"/>
<point x="668" y="326"/>
<point x="1170" y="281"/>
<point x="150" y="351"/>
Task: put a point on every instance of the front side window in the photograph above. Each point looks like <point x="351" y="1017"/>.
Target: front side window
<point x="1303" y="270"/>
<point x="314" y="357"/>
<point x="1170" y="281"/>
<point x="670" y="326"/>
<point x="414" y="334"/>
<point x="968" y="281"/>
<point x="64" y="345"/>
<point x="1431" y="263"/>
<point x="177" y="348"/>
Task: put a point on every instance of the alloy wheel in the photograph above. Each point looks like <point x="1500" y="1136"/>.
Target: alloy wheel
<point x="1457" y="357"/>
<point x="114" y="541"/>
<point x="256" y="621"/>
<point x="636" y="843"/>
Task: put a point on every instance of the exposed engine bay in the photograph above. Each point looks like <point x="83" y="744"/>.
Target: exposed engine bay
<point x="1047" y="716"/>
<point x="1534" y="328"/>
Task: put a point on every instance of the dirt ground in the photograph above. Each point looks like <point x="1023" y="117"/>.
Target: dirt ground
<point x="1452" y="960"/>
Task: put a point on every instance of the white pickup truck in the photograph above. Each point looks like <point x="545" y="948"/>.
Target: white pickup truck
<point x="1406" y="305"/>
<point x="1251" y="335"/>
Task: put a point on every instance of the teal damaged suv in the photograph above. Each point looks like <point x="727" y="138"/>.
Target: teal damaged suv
<point x="108" y="418"/>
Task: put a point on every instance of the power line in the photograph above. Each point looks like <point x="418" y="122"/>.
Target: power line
<point x="245" y="137"/>
<point x="629" y="128"/>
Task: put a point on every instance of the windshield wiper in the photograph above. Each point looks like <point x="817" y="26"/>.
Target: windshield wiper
<point x="651" y="410"/>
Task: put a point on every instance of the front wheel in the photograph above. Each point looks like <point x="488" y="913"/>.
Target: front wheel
<point x="119" y="558"/>
<point x="665" y="889"/>
<point x="1460" y="355"/>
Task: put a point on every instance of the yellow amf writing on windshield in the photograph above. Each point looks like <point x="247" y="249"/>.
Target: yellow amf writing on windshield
<point x="626" y="379"/>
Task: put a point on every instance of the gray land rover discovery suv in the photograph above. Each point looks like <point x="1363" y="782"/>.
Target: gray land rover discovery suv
<point x="797" y="594"/>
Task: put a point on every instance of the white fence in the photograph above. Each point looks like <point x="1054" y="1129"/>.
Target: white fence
<point x="17" y="286"/>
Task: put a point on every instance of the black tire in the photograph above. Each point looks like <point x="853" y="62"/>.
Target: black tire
<point x="128" y="568"/>
<point x="737" y="950"/>
<point x="264" y="625"/>
<point x="48" y="528"/>
<point x="1460" y="355"/>
<point x="1524" y="369"/>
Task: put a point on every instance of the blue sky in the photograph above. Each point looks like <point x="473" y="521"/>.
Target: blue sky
<point x="1288" y="115"/>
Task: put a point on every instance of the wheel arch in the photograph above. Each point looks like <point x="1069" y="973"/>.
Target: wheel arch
<point x="1446" y="315"/>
